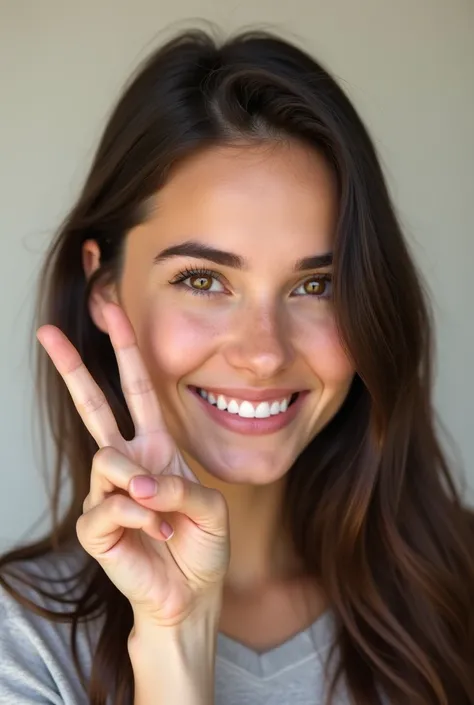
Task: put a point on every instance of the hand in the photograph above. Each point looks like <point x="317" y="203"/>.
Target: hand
<point x="121" y="525"/>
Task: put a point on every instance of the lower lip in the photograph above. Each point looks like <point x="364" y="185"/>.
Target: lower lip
<point x="251" y="427"/>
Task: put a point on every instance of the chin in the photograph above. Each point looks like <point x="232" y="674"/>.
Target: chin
<point x="241" y="466"/>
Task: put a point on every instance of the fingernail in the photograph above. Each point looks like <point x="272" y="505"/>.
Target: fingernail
<point x="166" y="530"/>
<point x="143" y="486"/>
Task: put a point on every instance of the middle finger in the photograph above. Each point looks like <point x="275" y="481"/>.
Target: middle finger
<point x="135" y="381"/>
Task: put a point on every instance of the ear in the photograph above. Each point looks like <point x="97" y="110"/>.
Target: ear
<point x="101" y="292"/>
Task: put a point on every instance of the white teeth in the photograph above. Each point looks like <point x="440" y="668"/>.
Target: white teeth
<point x="221" y="403"/>
<point x="263" y="410"/>
<point x="233" y="407"/>
<point x="246" y="409"/>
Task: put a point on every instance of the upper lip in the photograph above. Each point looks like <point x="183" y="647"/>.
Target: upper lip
<point x="251" y="394"/>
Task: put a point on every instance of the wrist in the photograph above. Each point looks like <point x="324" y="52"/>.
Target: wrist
<point x="196" y="633"/>
<point x="200" y="618"/>
<point x="175" y="663"/>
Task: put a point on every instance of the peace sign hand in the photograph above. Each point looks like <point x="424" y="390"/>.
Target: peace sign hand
<point x="121" y="525"/>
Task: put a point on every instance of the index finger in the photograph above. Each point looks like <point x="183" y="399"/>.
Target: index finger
<point x="86" y="394"/>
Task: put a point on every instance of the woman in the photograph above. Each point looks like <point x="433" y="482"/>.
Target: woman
<point x="253" y="334"/>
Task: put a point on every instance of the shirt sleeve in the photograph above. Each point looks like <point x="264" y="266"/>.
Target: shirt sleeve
<point x="24" y="675"/>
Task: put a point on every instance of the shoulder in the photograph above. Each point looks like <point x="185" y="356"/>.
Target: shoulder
<point x="42" y="594"/>
<point x="36" y="663"/>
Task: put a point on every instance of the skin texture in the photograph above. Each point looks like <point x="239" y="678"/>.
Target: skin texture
<point x="271" y="204"/>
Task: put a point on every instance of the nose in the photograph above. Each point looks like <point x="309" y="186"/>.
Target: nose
<point x="261" y="344"/>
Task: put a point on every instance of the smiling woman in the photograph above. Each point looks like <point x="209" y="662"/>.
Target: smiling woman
<point x="260" y="508"/>
<point x="249" y="330"/>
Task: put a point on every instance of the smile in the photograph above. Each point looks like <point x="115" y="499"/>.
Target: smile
<point x="247" y="409"/>
<point x="250" y="417"/>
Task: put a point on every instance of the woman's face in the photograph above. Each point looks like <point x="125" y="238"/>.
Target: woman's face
<point x="255" y="326"/>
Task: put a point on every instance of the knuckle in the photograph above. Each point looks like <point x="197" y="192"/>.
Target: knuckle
<point x="102" y="458"/>
<point x="176" y="488"/>
<point x="139" y="385"/>
<point x="149" y="519"/>
<point x="116" y="504"/>
<point x="86" y="504"/>
<point x="81" y="529"/>
<point x="92" y="404"/>
<point x="218" y="503"/>
<point x="113" y="507"/>
<point x="103" y="455"/>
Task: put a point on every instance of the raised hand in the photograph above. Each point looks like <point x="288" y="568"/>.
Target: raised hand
<point x="164" y="577"/>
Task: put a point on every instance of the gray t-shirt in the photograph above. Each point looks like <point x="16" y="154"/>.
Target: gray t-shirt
<point x="36" y="665"/>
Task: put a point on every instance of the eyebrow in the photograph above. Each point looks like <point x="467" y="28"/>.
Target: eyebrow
<point x="199" y="250"/>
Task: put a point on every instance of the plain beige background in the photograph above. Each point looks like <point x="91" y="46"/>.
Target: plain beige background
<point x="409" y="67"/>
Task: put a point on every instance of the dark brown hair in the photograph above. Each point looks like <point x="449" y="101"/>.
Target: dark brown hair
<point x="371" y="505"/>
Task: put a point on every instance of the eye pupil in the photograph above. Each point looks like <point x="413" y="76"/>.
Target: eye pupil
<point x="315" y="286"/>
<point x="201" y="282"/>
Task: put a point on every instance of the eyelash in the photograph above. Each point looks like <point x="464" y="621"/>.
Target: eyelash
<point x="188" y="273"/>
<point x="181" y="277"/>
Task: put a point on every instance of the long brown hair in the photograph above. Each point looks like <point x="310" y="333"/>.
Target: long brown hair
<point x="371" y="505"/>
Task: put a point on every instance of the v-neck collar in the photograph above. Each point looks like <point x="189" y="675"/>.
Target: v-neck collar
<point x="314" y="639"/>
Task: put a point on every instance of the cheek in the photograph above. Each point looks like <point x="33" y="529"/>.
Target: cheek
<point x="177" y="342"/>
<point x="321" y="346"/>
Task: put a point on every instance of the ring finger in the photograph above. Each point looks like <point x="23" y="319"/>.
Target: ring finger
<point x="111" y="471"/>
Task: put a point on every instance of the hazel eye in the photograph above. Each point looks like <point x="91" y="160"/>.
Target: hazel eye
<point x="318" y="287"/>
<point x="315" y="287"/>
<point x="203" y="283"/>
<point x="200" y="282"/>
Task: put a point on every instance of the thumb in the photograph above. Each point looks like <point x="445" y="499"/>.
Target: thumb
<point x="205" y="506"/>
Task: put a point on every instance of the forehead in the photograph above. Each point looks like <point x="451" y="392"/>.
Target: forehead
<point x="257" y="200"/>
